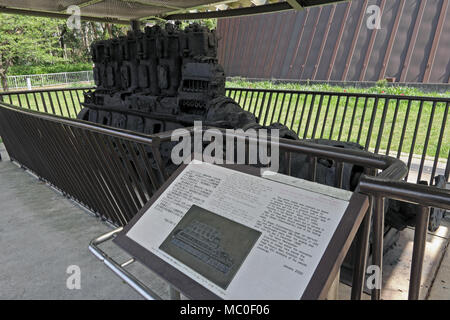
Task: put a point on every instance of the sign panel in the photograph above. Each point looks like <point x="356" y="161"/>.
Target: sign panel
<point x="238" y="235"/>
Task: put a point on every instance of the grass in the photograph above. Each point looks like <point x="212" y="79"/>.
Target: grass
<point x="55" y="68"/>
<point x="378" y="89"/>
<point x="61" y="103"/>
<point x="342" y="122"/>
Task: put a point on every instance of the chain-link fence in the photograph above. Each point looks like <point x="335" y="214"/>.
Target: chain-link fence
<point x="48" y="80"/>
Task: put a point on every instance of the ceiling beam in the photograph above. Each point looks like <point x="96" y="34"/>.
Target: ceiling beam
<point x="154" y="4"/>
<point x="55" y="15"/>
<point x="184" y="10"/>
<point x="266" y="8"/>
<point x="179" y="13"/>
<point x="83" y="4"/>
<point x="245" y="11"/>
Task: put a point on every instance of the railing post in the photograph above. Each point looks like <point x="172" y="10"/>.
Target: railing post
<point x="362" y="246"/>
<point x="420" y="240"/>
<point x="378" y="233"/>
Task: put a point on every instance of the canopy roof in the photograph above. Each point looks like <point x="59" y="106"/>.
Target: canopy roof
<point x="124" y="11"/>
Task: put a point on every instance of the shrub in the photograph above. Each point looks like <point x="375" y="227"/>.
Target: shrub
<point x="55" y="68"/>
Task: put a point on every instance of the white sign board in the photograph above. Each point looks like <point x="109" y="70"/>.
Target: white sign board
<point x="242" y="236"/>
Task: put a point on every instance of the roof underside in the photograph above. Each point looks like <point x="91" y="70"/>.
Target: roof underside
<point x="124" y="11"/>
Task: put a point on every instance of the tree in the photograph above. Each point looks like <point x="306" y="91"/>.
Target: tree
<point x="36" y="41"/>
<point x="76" y="43"/>
<point x="27" y="40"/>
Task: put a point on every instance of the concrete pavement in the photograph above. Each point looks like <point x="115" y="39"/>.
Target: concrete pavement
<point x="41" y="235"/>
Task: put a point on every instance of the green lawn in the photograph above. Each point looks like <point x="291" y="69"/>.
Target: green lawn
<point x="62" y="103"/>
<point x="380" y="89"/>
<point x="345" y="127"/>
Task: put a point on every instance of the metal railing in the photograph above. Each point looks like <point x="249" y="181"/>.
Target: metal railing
<point x="411" y="128"/>
<point x="113" y="173"/>
<point x="424" y="196"/>
<point x="407" y="127"/>
<point x="48" y="79"/>
<point x="59" y="102"/>
<point x="110" y="172"/>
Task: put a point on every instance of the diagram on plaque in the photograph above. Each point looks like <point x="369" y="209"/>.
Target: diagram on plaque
<point x="210" y="244"/>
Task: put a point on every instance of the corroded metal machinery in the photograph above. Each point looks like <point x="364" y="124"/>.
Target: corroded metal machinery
<point x="159" y="80"/>
<point x="167" y="78"/>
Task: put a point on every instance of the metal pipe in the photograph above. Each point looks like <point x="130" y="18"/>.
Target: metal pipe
<point x="420" y="240"/>
<point x="246" y="11"/>
<point x="60" y="15"/>
<point x="408" y="192"/>
<point x="378" y="233"/>
<point x="131" y="280"/>
<point x="392" y="168"/>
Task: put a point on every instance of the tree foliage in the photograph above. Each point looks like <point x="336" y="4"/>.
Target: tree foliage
<point x="26" y="40"/>
<point x="36" y="41"/>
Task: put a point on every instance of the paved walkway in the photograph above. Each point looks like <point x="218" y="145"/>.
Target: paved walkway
<point x="41" y="235"/>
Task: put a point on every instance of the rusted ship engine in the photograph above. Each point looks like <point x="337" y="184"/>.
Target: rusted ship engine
<point x="162" y="79"/>
<point x="159" y="80"/>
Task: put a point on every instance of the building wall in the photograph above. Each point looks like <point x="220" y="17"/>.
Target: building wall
<point x="334" y="43"/>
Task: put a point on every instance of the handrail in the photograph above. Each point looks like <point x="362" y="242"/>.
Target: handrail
<point x="119" y="269"/>
<point x="111" y="172"/>
<point x="396" y="168"/>
<point x="408" y="192"/>
<point x="116" y="132"/>
<point x="392" y="167"/>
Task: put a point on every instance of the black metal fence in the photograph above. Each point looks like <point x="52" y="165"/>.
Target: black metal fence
<point x="411" y="128"/>
<point x="114" y="173"/>
<point x="107" y="171"/>
<point x="414" y="129"/>
<point x="60" y="102"/>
